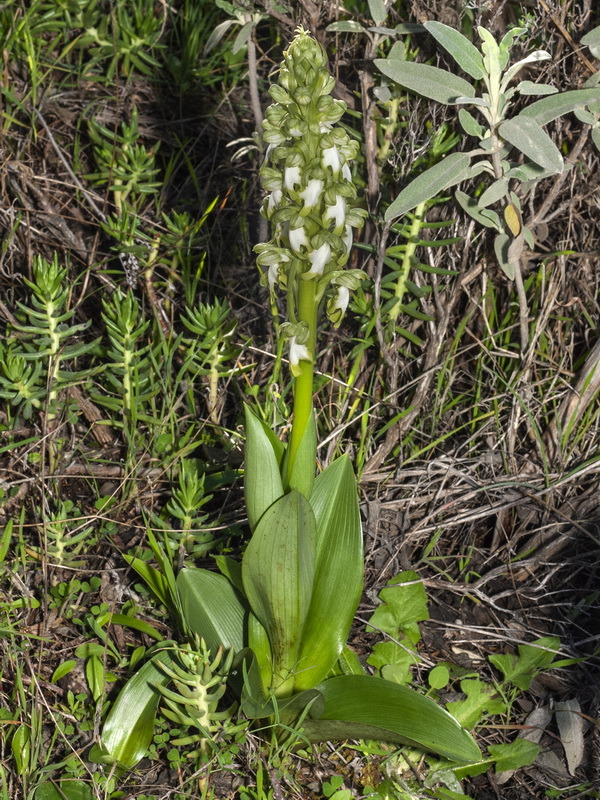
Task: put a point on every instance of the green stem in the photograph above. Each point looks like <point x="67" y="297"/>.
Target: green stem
<point x="411" y="246"/>
<point x="303" y="384"/>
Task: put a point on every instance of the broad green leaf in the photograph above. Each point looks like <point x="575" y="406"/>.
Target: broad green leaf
<point x="278" y="572"/>
<point x="596" y="138"/>
<point x="213" y="608"/>
<point x="129" y="727"/>
<point x="549" y="108"/>
<point x="514" y="755"/>
<point x="530" y="138"/>
<point x="480" y="697"/>
<point x="262" y="476"/>
<point x="530" y="88"/>
<point x="448" y="172"/>
<point x="436" y="84"/>
<point x="338" y="572"/>
<point x="460" y="48"/>
<point x="232" y="570"/>
<point x="496" y="191"/>
<point x="470" y="124"/>
<point x="363" y="707"/>
<point x="302" y="477"/>
<point x="258" y="641"/>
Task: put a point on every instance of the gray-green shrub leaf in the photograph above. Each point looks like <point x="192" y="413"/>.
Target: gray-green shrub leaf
<point x="466" y="55"/>
<point x="378" y="11"/>
<point x="470" y="124"/>
<point x="528" y="87"/>
<point x="448" y="172"/>
<point x="345" y="26"/>
<point x="436" y="84"/>
<point x="531" y="139"/>
<point x="501" y="246"/>
<point x="470" y="206"/>
<point x="554" y="106"/>
<point x="496" y="191"/>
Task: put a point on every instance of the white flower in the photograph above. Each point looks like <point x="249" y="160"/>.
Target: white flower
<point x="342" y="299"/>
<point x="337" y="211"/>
<point x="296" y="132"/>
<point x="291" y="177"/>
<point x="346" y="173"/>
<point x="348" y="238"/>
<point x="274" y="199"/>
<point x="312" y="194"/>
<point x="319" y="259"/>
<point x="324" y="127"/>
<point x="298" y="238"/>
<point x="298" y="352"/>
<point x="273" y="275"/>
<point x="331" y="158"/>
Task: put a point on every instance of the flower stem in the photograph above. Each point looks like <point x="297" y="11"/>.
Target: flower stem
<point x="303" y="384"/>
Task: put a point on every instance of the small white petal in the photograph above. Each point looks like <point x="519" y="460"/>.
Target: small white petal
<point x="312" y="194"/>
<point x="273" y="275"/>
<point x="346" y="172"/>
<point x="291" y="177"/>
<point x="342" y="299"/>
<point x="319" y="259"/>
<point x="337" y="212"/>
<point x="331" y="158"/>
<point x="324" y="127"/>
<point x="296" y="132"/>
<point x="348" y="238"/>
<point x="274" y="199"/>
<point x="298" y="352"/>
<point x="298" y="238"/>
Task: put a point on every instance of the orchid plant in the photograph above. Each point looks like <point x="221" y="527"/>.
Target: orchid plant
<point x="286" y="610"/>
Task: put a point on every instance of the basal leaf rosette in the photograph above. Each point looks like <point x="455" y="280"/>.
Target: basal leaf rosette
<point x="307" y="173"/>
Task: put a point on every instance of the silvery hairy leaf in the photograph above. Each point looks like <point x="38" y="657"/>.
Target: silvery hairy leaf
<point x="549" y="108"/>
<point x="529" y="137"/>
<point x="448" y="172"/>
<point x="466" y="55"/>
<point x="436" y="84"/>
